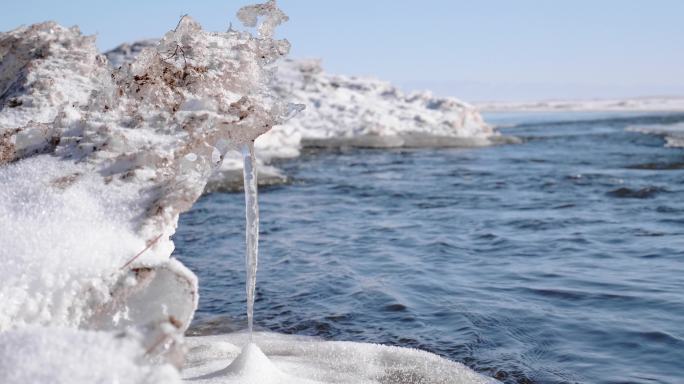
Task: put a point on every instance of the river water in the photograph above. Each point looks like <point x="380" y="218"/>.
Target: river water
<point x="558" y="260"/>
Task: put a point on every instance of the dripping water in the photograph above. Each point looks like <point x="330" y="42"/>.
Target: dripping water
<point x="252" y="229"/>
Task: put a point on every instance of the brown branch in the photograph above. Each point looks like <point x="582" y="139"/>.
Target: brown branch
<point x="149" y="245"/>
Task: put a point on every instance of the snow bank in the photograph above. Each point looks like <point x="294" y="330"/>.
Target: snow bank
<point x="673" y="133"/>
<point x="355" y="111"/>
<point x="287" y="359"/>
<point x="348" y="111"/>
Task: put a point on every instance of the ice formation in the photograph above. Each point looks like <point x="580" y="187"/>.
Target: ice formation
<point x="349" y="111"/>
<point x="252" y="228"/>
<point x="673" y="133"/>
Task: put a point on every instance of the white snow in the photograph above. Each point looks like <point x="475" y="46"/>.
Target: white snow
<point x="288" y="359"/>
<point x="62" y="355"/>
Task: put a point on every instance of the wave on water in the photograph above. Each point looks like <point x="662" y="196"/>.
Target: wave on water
<point x="673" y="133"/>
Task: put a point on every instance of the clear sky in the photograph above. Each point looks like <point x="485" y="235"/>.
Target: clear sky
<point x="476" y="50"/>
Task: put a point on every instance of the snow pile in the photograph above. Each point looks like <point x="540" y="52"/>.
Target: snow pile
<point x="652" y="104"/>
<point x="287" y="359"/>
<point x="348" y="111"/>
<point x="62" y="355"/>
<point x="353" y="111"/>
<point x="673" y="133"/>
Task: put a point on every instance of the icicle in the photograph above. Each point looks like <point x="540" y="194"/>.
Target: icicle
<point x="252" y="230"/>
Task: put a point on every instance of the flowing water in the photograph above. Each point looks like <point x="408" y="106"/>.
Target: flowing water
<point x="559" y="260"/>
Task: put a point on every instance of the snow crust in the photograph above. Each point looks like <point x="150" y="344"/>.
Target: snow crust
<point x="673" y="133"/>
<point x="287" y="359"/>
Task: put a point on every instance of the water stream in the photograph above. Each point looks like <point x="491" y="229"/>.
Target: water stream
<point x="252" y="228"/>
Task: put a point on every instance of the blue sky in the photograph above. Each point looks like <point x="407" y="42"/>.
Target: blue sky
<point x="476" y="50"/>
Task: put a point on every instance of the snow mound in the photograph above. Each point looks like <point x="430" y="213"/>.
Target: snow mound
<point x="673" y="133"/>
<point x="356" y="111"/>
<point x="68" y="356"/>
<point x="298" y="359"/>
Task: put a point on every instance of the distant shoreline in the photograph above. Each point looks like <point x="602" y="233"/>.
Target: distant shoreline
<point x="645" y="104"/>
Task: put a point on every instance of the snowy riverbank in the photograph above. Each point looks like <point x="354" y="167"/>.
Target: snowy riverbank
<point x="97" y="163"/>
